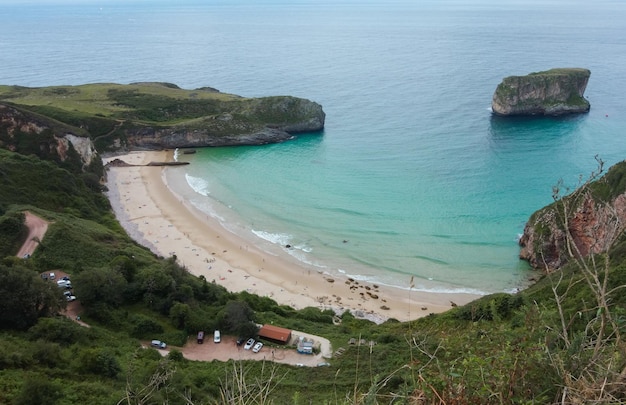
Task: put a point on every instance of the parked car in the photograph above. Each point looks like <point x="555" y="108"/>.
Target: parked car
<point x="64" y="284"/>
<point x="158" y="344"/>
<point x="70" y="298"/>
<point x="249" y="344"/>
<point x="200" y="337"/>
<point x="217" y="337"/>
<point x="240" y="341"/>
<point x="257" y="347"/>
<point x="51" y="276"/>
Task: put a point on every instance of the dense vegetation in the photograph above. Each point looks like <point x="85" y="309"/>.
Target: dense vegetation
<point x="557" y="342"/>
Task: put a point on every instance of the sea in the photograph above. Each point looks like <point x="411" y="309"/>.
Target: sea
<point x="413" y="182"/>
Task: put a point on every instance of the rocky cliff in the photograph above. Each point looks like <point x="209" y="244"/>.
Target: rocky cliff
<point x="585" y="222"/>
<point x="553" y="92"/>
<point x="251" y="122"/>
<point x="161" y="115"/>
<point x="29" y="133"/>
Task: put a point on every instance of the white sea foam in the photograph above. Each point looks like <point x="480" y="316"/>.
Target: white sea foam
<point x="282" y="239"/>
<point x="199" y="185"/>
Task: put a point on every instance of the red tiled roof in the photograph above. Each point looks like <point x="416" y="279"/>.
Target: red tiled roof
<point x="275" y="333"/>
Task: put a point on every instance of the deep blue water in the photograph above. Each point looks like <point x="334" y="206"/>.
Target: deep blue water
<point x="412" y="171"/>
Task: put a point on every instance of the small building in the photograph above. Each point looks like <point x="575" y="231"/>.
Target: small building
<point x="275" y="334"/>
<point x="305" y="346"/>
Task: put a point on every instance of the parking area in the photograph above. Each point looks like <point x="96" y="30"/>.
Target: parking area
<point x="227" y="349"/>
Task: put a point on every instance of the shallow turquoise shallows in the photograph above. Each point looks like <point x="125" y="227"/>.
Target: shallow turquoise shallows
<point x="413" y="176"/>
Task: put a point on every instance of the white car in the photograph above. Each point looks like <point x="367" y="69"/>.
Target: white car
<point x="249" y="344"/>
<point x="158" y="344"/>
<point x="257" y="347"/>
<point x="217" y="337"/>
<point x="70" y="298"/>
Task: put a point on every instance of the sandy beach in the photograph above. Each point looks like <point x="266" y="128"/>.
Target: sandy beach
<point x="162" y="220"/>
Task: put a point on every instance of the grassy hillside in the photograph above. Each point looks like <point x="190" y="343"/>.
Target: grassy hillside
<point x="110" y="114"/>
<point x="560" y="338"/>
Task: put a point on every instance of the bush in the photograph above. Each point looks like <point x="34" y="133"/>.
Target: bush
<point x="144" y="327"/>
<point x="494" y="307"/>
<point x="99" y="361"/>
<point x="39" y="390"/>
<point x="59" y="330"/>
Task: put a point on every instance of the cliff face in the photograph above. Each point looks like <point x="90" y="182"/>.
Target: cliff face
<point x="29" y="133"/>
<point x="553" y="92"/>
<point x="254" y="122"/>
<point x="594" y="216"/>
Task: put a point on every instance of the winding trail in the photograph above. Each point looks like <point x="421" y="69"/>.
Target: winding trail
<point x="37" y="228"/>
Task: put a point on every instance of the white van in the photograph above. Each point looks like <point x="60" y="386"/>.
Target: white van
<point x="216" y="336"/>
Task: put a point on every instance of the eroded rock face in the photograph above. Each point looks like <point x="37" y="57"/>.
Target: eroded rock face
<point x="47" y="141"/>
<point x="553" y="92"/>
<point x="257" y="122"/>
<point x="593" y="226"/>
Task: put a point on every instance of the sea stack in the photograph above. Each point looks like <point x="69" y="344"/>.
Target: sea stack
<point x="553" y="92"/>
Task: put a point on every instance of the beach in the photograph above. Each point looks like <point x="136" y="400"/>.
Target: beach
<point x="157" y="215"/>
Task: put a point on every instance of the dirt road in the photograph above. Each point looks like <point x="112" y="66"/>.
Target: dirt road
<point x="37" y="228"/>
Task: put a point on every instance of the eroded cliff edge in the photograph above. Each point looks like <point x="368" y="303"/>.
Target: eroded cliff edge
<point x="588" y="221"/>
<point x="110" y="117"/>
<point x="552" y="92"/>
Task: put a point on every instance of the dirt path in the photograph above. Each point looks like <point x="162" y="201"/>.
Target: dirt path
<point x="37" y="228"/>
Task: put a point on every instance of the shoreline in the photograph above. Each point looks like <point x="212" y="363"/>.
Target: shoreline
<point x="157" y="215"/>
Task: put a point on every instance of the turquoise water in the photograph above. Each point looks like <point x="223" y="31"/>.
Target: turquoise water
<point x="412" y="171"/>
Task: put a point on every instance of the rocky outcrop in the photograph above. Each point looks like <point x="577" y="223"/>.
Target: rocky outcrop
<point x="29" y="133"/>
<point x="161" y="115"/>
<point x="553" y="92"/>
<point x="586" y="222"/>
<point x="251" y="122"/>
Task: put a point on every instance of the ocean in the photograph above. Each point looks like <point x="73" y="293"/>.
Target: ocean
<point x="413" y="181"/>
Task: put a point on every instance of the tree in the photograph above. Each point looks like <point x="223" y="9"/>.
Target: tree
<point x="101" y="285"/>
<point x="155" y="280"/>
<point x="24" y="297"/>
<point x="179" y="314"/>
<point x="238" y="317"/>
